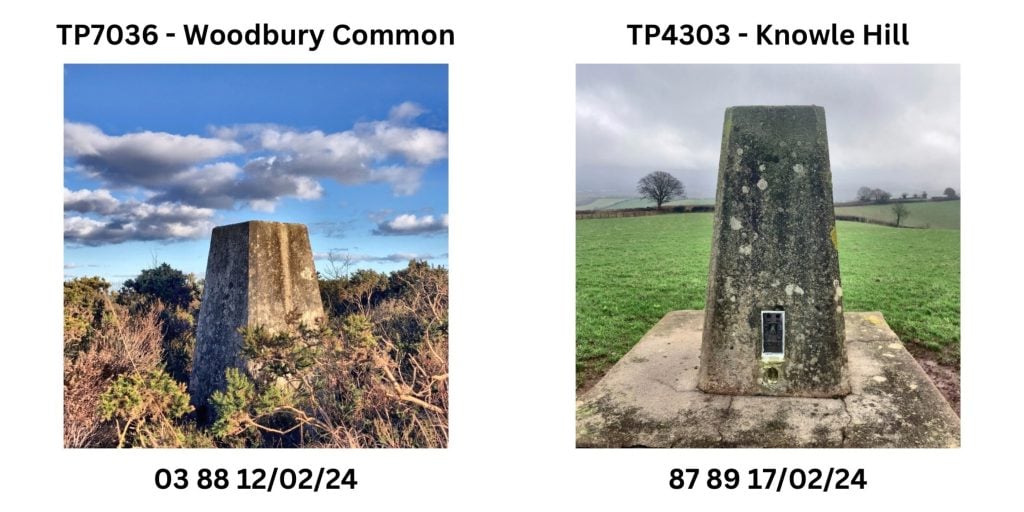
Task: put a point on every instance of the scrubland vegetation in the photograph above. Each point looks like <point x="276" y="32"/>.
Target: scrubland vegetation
<point x="373" y="374"/>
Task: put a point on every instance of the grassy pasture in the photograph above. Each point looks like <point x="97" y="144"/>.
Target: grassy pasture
<point x="631" y="271"/>
<point x="933" y="214"/>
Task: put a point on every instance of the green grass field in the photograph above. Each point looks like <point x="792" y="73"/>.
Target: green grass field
<point x="631" y="271"/>
<point x="937" y="214"/>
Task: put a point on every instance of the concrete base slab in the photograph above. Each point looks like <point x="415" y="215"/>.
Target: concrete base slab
<point x="650" y="399"/>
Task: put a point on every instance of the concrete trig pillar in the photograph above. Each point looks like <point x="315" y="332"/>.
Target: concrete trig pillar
<point x="257" y="273"/>
<point x="774" y="315"/>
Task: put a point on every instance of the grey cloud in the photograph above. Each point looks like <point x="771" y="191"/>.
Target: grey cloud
<point x="380" y="215"/>
<point x="135" y="221"/>
<point x="90" y="201"/>
<point x="410" y="224"/>
<point x="222" y="185"/>
<point x="896" y="127"/>
<point x="406" y="110"/>
<point x="143" y="159"/>
<point x="332" y="229"/>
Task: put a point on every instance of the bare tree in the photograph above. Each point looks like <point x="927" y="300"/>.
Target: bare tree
<point x="901" y="211"/>
<point x="660" y="187"/>
<point x="339" y="264"/>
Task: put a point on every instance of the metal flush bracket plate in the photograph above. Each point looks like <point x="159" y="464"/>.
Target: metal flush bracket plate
<point x="773" y="335"/>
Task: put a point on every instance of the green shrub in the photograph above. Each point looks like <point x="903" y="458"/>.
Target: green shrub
<point x="86" y="306"/>
<point x="358" y="331"/>
<point x="240" y="408"/>
<point x="143" y="406"/>
<point x="170" y="286"/>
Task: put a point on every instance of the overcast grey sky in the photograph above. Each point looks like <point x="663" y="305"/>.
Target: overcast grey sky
<point x="895" y="127"/>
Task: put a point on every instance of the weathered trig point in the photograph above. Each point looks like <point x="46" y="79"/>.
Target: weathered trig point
<point x="257" y="274"/>
<point x="774" y="310"/>
<point x="773" y="360"/>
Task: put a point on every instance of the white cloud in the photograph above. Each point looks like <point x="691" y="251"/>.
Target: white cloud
<point x="405" y="110"/>
<point x="417" y="145"/>
<point x="81" y="228"/>
<point x="261" y="205"/>
<point x="410" y="224"/>
<point x="378" y="151"/>
<point x="89" y="201"/>
<point x="404" y="181"/>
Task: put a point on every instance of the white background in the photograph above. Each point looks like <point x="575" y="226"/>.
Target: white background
<point x="512" y="75"/>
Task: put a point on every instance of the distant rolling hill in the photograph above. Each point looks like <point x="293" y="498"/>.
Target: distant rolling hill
<point x="625" y="203"/>
<point x="933" y="214"/>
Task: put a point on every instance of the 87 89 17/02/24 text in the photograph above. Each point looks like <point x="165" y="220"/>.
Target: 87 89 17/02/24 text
<point x="776" y="479"/>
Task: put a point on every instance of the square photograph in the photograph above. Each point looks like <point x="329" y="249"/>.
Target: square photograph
<point x="255" y="256"/>
<point x="768" y="256"/>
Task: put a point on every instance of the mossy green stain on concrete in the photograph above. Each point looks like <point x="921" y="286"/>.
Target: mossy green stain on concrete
<point x="775" y="183"/>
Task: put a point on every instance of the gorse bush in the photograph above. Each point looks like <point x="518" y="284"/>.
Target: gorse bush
<point x="246" y="414"/>
<point x="374" y="373"/>
<point x="358" y="330"/>
<point x="86" y="307"/>
<point x="284" y="355"/>
<point x="143" y="406"/>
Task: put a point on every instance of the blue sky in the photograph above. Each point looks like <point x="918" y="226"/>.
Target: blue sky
<point x="155" y="156"/>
